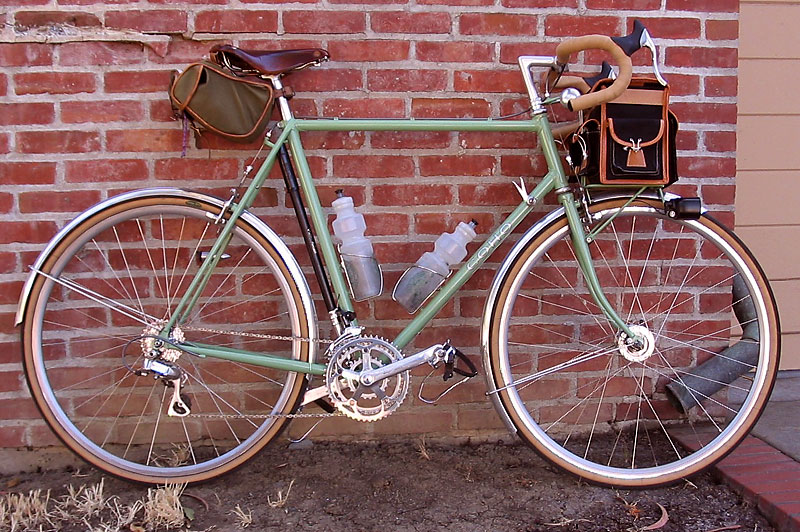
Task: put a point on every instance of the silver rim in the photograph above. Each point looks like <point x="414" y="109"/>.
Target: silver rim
<point x="108" y="287"/>
<point x="598" y="410"/>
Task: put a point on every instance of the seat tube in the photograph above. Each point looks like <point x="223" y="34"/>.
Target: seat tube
<point x="334" y="289"/>
<point x="292" y="189"/>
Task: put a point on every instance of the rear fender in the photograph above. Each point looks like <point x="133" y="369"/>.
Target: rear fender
<point x="289" y="260"/>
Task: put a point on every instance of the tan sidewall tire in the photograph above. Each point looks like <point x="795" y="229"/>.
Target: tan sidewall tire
<point x="30" y="364"/>
<point x="740" y="434"/>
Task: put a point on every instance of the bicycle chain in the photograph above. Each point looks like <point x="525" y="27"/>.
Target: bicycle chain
<point x="261" y="336"/>
<point x="265" y="337"/>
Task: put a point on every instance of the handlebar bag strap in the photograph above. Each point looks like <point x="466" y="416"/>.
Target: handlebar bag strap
<point x="216" y="100"/>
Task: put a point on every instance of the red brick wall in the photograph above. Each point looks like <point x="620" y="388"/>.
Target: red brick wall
<point x="85" y="116"/>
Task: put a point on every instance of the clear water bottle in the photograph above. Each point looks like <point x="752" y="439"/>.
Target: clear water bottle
<point x="358" y="257"/>
<point x="429" y="272"/>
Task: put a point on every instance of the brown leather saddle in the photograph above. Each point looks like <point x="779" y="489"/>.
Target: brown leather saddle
<point x="268" y="63"/>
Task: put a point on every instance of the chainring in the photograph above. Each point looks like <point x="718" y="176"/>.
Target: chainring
<point x="354" y="356"/>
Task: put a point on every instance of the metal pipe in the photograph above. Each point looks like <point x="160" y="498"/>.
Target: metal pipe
<point x="733" y="362"/>
<point x="293" y="189"/>
<point x="257" y="359"/>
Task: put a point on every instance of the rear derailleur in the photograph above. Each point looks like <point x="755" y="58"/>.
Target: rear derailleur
<point x="160" y="363"/>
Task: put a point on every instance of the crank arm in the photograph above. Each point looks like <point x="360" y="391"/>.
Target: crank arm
<point x="314" y="394"/>
<point x="431" y="355"/>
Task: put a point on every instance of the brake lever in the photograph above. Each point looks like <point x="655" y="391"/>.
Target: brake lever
<point x="606" y="72"/>
<point x="640" y="38"/>
<point x="647" y="42"/>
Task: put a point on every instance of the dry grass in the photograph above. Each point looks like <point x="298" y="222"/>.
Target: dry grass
<point x="177" y="456"/>
<point x="244" y="519"/>
<point x="26" y="512"/>
<point x="84" y="502"/>
<point x="123" y="517"/>
<point x="89" y="508"/>
<point x="282" y="498"/>
<point x="422" y="449"/>
<point x="163" y="507"/>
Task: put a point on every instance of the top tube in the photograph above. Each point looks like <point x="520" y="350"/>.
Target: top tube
<point x="412" y="124"/>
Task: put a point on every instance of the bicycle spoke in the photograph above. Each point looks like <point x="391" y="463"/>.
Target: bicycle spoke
<point x="655" y="413"/>
<point x="588" y="301"/>
<point x="150" y="258"/>
<point x="249" y="370"/>
<point x="123" y="273"/>
<point x="127" y="267"/>
<point x="188" y="440"/>
<point x="555" y="369"/>
<point x="168" y="311"/>
<point x="139" y="420"/>
<point x="155" y="427"/>
<point x="114" y="386"/>
<point x="167" y="292"/>
<point x="702" y="395"/>
<point x="197" y="403"/>
<point x="673" y="280"/>
<point x="99" y="298"/>
<point x="626" y="263"/>
<point x="175" y="261"/>
<point x="713" y="353"/>
<point x="584" y="400"/>
<point x="215" y="294"/>
<point x="597" y="412"/>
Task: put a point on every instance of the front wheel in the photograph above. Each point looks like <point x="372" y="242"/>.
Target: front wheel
<point x="108" y="286"/>
<point x="634" y="415"/>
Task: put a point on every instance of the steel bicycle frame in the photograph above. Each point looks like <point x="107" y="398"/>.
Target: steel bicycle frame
<point x="554" y="180"/>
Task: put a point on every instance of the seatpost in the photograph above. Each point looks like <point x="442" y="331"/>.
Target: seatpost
<point x="283" y="103"/>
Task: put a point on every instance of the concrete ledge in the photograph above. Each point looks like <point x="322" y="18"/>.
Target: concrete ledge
<point x="25" y="460"/>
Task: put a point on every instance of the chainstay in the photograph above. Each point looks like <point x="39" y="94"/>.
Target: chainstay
<point x="261" y="336"/>
<point x="264" y="337"/>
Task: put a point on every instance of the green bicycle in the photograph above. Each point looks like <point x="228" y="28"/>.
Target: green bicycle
<point x="169" y="335"/>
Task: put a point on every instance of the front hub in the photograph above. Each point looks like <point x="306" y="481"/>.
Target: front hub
<point x="640" y="350"/>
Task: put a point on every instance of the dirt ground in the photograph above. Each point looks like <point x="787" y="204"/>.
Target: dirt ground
<point x="413" y="486"/>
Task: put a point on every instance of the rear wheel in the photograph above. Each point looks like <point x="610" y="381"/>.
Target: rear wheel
<point x="635" y="415"/>
<point x="107" y="287"/>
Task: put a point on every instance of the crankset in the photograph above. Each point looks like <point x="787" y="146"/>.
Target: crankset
<point x="349" y="381"/>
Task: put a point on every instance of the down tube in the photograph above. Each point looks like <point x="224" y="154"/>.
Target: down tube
<point x="318" y="216"/>
<point x="475" y="261"/>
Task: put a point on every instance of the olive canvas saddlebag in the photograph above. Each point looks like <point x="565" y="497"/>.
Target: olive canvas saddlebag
<point x="216" y="100"/>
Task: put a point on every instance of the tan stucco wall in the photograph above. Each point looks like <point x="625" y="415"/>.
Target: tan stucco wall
<point x="768" y="153"/>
